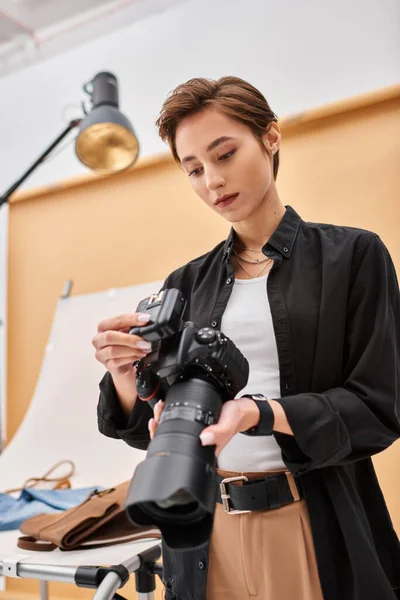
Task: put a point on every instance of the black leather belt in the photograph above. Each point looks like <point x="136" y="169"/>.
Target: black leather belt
<point x="270" y="492"/>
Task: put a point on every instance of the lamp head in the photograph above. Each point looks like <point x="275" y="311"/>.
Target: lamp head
<point x="106" y="141"/>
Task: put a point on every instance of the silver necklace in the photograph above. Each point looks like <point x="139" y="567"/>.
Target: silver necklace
<point x="246" y="271"/>
<point x="258" y="261"/>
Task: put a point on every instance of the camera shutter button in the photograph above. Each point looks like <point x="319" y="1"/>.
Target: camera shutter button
<point x="206" y="336"/>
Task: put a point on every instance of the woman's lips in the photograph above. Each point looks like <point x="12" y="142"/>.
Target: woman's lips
<point x="228" y="201"/>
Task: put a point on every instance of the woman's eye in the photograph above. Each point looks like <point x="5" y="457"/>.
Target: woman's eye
<point x="227" y="155"/>
<point x="195" y="171"/>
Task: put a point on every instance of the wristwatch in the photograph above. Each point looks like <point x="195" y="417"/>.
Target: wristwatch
<point x="265" y="425"/>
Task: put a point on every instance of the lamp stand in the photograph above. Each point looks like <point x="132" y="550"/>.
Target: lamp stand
<point x="4" y="198"/>
<point x="41" y="158"/>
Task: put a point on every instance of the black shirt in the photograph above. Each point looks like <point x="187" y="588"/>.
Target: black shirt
<point x="335" y="307"/>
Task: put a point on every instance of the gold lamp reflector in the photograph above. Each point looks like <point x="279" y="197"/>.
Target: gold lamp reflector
<point x="107" y="147"/>
<point x="106" y="141"/>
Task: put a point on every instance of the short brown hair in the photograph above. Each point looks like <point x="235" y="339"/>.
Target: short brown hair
<point x="231" y="95"/>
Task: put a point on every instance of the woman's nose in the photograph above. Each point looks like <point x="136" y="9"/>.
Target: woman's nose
<point x="214" y="180"/>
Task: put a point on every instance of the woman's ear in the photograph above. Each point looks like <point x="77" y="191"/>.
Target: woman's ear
<point x="272" y="138"/>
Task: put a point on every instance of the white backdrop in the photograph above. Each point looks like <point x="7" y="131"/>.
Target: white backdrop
<point x="3" y="320"/>
<point x="61" y="421"/>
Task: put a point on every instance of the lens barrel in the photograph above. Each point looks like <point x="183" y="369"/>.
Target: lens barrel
<point x="174" y="488"/>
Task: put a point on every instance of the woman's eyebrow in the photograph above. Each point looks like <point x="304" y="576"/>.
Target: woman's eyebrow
<point x="210" y="147"/>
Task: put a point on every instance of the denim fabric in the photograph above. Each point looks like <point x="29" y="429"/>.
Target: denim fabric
<point x="32" y="502"/>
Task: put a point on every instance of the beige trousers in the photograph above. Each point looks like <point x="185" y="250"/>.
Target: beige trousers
<point x="263" y="555"/>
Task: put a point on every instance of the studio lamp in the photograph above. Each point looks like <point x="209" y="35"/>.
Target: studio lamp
<point x="106" y="141"/>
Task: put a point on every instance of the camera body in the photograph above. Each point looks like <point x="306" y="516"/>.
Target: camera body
<point x="180" y="350"/>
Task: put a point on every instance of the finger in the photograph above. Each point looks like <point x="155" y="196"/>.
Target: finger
<point x="117" y="338"/>
<point x="113" y="338"/>
<point x="217" y="435"/>
<point x="158" y="410"/>
<point x="111" y="352"/>
<point x="208" y="436"/>
<point x="122" y="321"/>
<point x="114" y="363"/>
<point x="211" y="438"/>
<point x="152" y="428"/>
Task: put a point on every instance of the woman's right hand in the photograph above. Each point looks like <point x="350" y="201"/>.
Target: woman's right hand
<point x="116" y="348"/>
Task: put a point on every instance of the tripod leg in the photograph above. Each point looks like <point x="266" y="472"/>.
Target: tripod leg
<point x="44" y="595"/>
<point x="145" y="582"/>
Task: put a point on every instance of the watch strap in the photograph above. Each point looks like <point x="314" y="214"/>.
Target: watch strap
<point x="265" y="425"/>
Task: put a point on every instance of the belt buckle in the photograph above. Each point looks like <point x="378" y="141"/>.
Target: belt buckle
<point x="225" y="497"/>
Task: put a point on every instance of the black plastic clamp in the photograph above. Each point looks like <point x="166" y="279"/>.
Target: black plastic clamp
<point x="145" y="575"/>
<point x="91" y="577"/>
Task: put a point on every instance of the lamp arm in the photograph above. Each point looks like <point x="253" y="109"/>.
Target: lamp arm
<point x="41" y="158"/>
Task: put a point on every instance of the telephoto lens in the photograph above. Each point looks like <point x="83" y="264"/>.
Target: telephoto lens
<point x="175" y="487"/>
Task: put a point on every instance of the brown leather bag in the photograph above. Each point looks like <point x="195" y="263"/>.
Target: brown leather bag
<point x="98" y="521"/>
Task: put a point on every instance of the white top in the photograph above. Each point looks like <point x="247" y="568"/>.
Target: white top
<point x="247" y="322"/>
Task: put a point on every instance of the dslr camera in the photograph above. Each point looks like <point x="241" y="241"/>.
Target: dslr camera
<point x="194" y="371"/>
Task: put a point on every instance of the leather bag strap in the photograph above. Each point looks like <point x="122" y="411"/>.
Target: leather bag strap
<point x="27" y="542"/>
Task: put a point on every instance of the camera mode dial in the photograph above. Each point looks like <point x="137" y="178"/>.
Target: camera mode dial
<point x="206" y="336"/>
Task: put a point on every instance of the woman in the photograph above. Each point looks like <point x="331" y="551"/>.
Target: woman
<point x="315" y="310"/>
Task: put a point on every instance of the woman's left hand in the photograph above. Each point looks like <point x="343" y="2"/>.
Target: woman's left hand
<point x="236" y="416"/>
